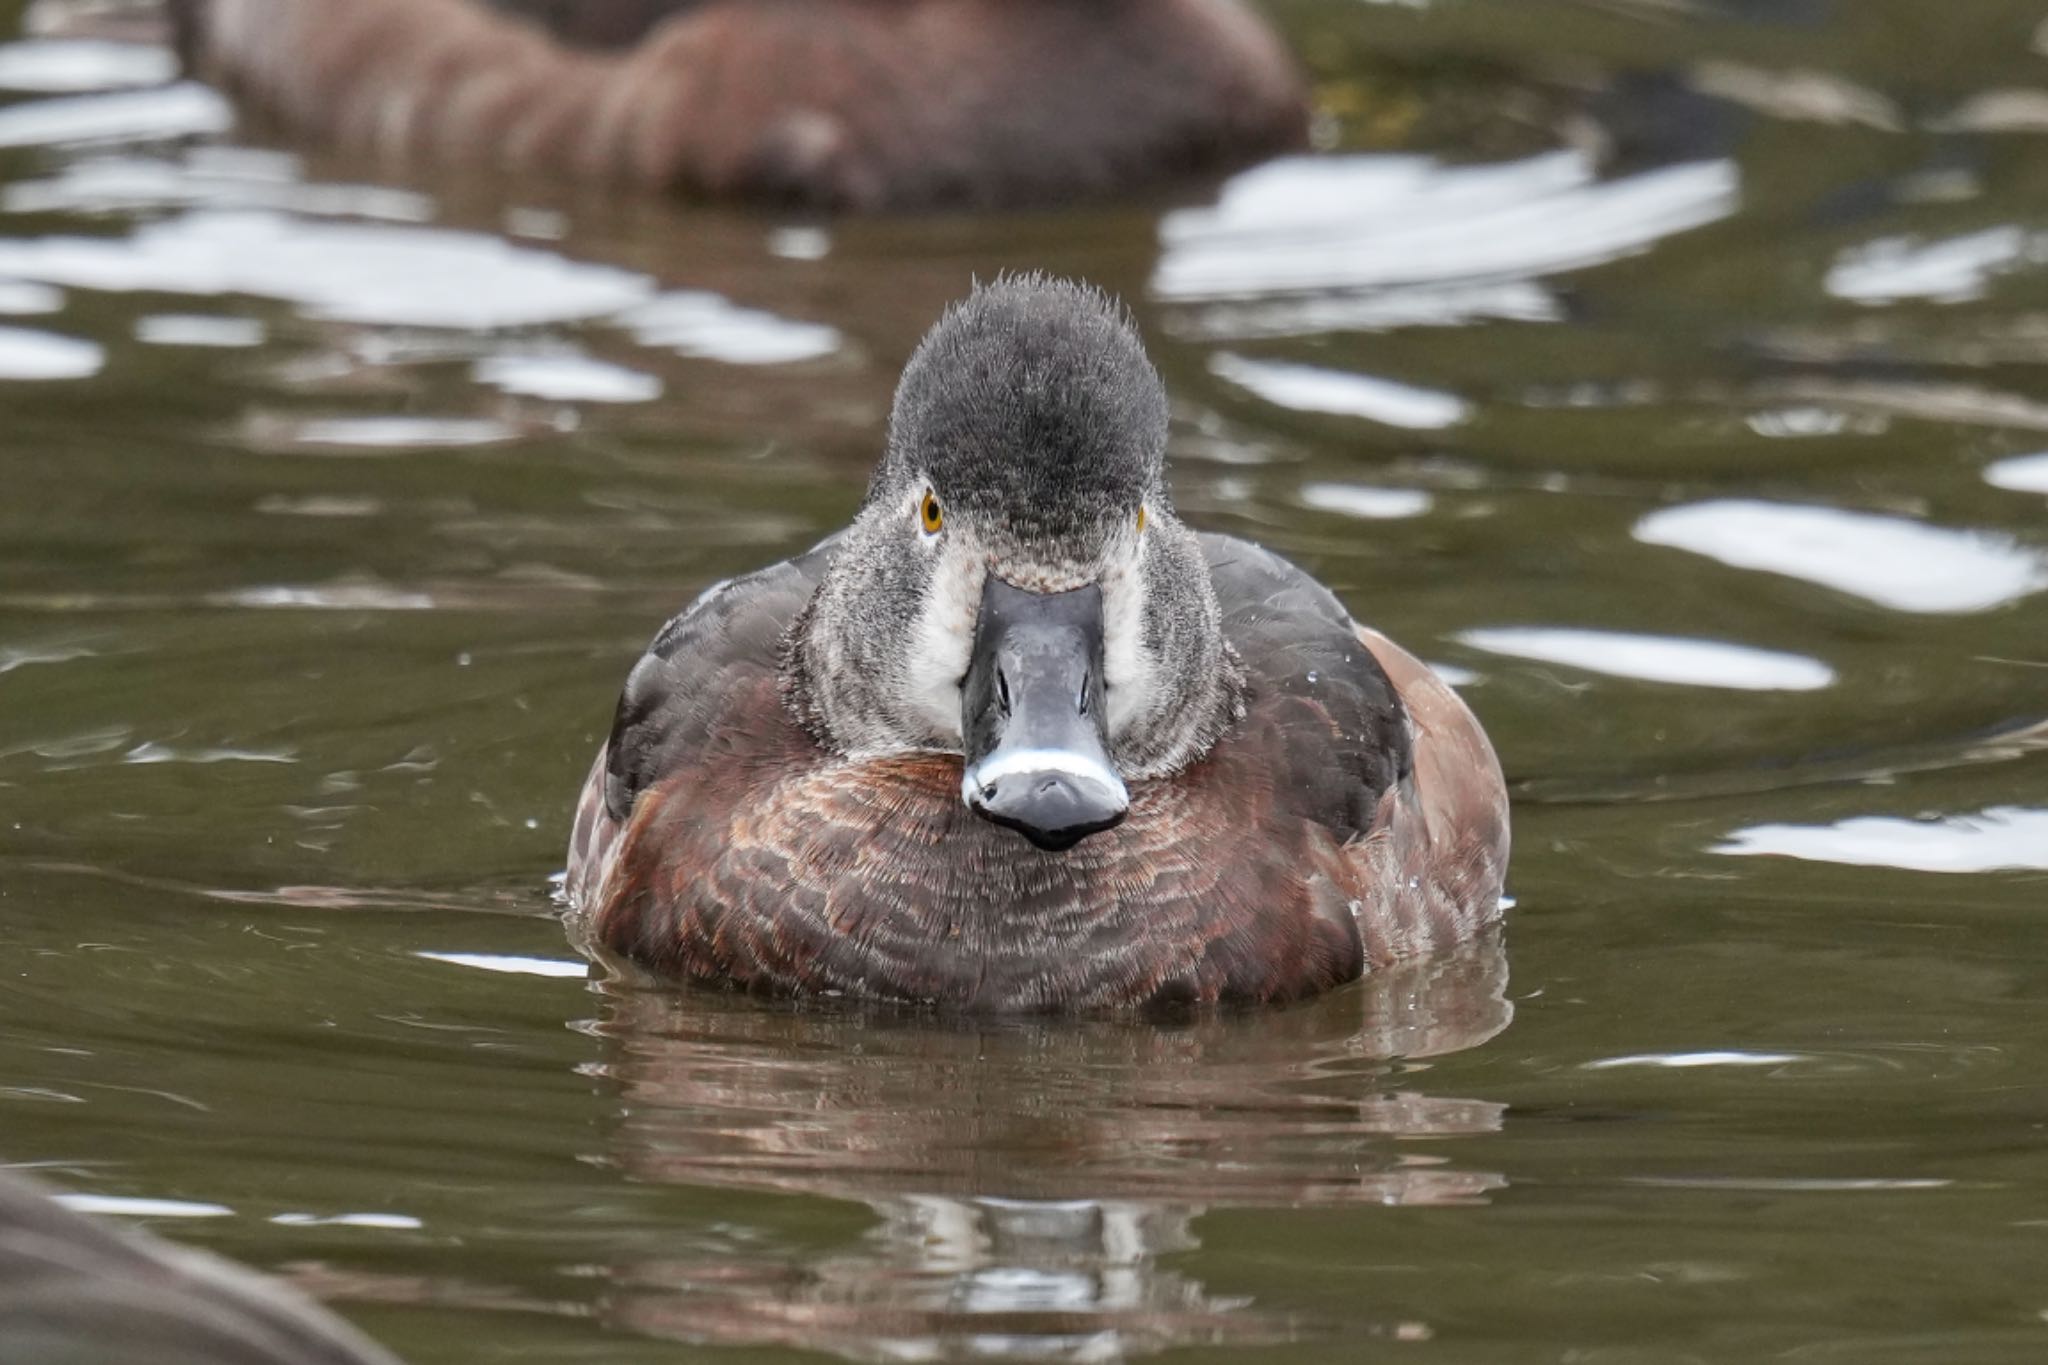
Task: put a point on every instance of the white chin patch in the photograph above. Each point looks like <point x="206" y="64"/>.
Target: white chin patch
<point x="996" y="767"/>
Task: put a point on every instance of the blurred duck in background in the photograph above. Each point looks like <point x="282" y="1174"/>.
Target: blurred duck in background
<point x="862" y="105"/>
<point x="76" y="1291"/>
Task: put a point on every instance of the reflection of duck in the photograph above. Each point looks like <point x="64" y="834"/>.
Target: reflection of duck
<point x="843" y="103"/>
<point x="1226" y="790"/>
<point x="1033" y="1182"/>
<point x="73" y="1290"/>
<point x="961" y="1279"/>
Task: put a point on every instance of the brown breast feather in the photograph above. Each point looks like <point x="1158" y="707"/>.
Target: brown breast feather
<point x="785" y="871"/>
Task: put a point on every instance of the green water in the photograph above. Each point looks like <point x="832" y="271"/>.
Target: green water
<point x="294" y="703"/>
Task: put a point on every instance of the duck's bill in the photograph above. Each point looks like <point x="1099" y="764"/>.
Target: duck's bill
<point x="1033" y="717"/>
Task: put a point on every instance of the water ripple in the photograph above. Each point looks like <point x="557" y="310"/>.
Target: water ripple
<point x="72" y="66"/>
<point x="1904" y="565"/>
<point x="567" y="378"/>
<point x="2021" y="474"/>
<point x="1951" y="270"/>
<point x="1657" y="658"/>
<point x="2003" y="838"/>
<point x="172" y="111"/>
<point x="349" y="272"/>
<point x="1310" y="388"/>
<point x="29" y="354"/>
<point x="1381" y="223"/>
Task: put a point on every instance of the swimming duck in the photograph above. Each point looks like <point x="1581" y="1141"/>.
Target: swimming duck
<point x="76" y="1291"/>
<point x="1019" y="739"/>
<point x="845" y="104"/>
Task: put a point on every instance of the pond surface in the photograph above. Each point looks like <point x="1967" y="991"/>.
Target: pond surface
<point x="1675" y="375"/>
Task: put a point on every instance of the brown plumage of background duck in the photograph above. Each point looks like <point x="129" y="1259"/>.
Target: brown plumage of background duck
<point x="1019" y="740"/>
<point x="840" y="104"/>
<point x="78" y="1291"/>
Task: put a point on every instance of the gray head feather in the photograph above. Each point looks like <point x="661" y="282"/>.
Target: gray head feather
<point x="1033" y="408"/>
<point x="1031" y="416"/>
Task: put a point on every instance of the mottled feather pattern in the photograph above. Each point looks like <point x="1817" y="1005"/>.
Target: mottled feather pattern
<point x="1330" y="830"/>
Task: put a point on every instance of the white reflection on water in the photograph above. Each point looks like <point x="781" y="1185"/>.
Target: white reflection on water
<point x="21" y="656"/>
<point x="207" y="177"/>
<point x="383" y="1222"/>
<point x="1449" y="243"/>
<point x="694" y="323"/>
<point x="2022" y="474"/>
<point x="151" y="752"/>
<point x="514" y="965"/>
<point x="1657" y="658"/>
<point x="1682" y="1061"/>
<point x="1366" y="503"/>
<point x="1951" y="270"/>
<point x="1893" y="562"/>
<point x="27" y="354"/>
<point x="171" y="111"/>
<point x="351" y="272"/>
<point x="1999" y="839"/>
<point x="1792" y="423"/>
<point x="1462" y="677"/>
<point x="1788" y="1185"/>
<point x="198" y="329"/>
<point x="54" y="65"/>
<point x="393" y="433"/>
<point x="134" y="1207"/>
<point x="341" y="597"/>
<point x="18" y="298"/>
<point x="1310" y="388"/>
<point x="567" y="378"/>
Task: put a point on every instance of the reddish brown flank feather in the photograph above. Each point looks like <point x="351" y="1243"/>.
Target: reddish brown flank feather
<point x="1439" y="847"/>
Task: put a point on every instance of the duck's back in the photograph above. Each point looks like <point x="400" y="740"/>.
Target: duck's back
<point x="717" y="841"/>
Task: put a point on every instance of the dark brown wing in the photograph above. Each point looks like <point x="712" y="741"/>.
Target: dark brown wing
<point x="1380" y="749"/>
<point x="683" y="708"/>
<point x="1339" y="735"/>
<point x="74" y="1291"/>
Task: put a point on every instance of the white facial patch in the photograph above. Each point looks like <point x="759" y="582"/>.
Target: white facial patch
<point x="941" y="644"/>
<point x="1017" y="762"/>
<point x="1130" y="677"/>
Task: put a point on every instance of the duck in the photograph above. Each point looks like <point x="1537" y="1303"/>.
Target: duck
<point x="1019" y="740"/>
<point x="833" y="105"/>
<point x="75" y="1290"/>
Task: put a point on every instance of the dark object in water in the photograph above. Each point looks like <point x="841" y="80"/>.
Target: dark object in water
<point x="1020" y="740"/>
<point x="78" y="1291"/>
<point x="844" y="104"/>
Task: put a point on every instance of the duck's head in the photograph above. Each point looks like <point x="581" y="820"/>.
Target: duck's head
<point x="1016" y="588"/>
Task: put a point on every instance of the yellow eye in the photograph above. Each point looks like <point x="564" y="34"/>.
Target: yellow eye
<point x="1141" y="518"/>
<point x="930" y="513"/>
